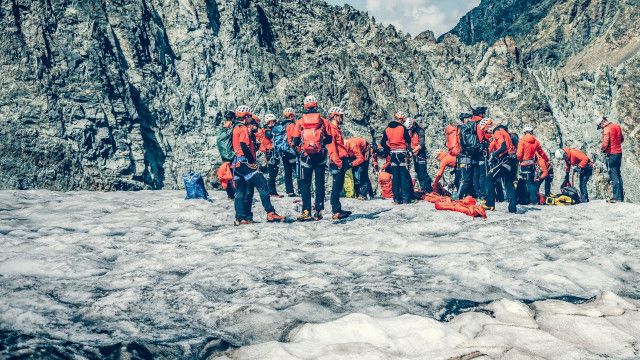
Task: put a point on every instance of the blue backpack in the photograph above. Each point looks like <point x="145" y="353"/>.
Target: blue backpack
<point x="194" y="184"/>
<point x="280" y="144"/>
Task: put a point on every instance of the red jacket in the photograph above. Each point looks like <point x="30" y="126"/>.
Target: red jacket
<point x="396" y="137"/>
<point x="266" y="145"/>
<point x="337" y="149"/>
<point x="500" y="137"/>
<point x="358" y="149"/>
<point x="528" y="148"/>
<point x="577" y="158"/>
<point x="242" y="134"/>
<point x="543" y="165"/>
<point x="612" y="139"/>
<point x="476" y="118"/>
<point x="447" y="161"/>
<point x="452" y="134"/>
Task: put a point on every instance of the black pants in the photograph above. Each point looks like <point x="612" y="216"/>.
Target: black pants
<point x="585" y="175"/>
<point x="466" y="169"/>
<point x="548" y="181"/>
<point x="273" y="163"/>
<point x="420" y="165"/>
<point x="313" y="167"/>
<point x="528" y="174"/>
<point x="289" y="165"/>
<point x="245" y="190"/>
<point x="231" y="190"/>
<point x="614" y="162"/>
<point x="505" y="176"/>
<point x="337" y="186"/>
<point x="480" y="179"/>
<point x="401" y="178"/>
<point x="362" y="181"/>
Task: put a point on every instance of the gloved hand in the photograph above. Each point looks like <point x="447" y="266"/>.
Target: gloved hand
<point x="347" y="164"/>
<point x="577" y="170"/>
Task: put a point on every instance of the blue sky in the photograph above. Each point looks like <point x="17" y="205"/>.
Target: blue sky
<point x="415" y="16"/>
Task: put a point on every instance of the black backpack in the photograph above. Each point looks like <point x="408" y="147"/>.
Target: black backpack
<point x="469" y="141"/>
<point x="571" y="192"/>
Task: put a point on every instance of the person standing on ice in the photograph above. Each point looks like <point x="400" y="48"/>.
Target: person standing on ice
<point x="502" y="165"/>
<point x="419" y="150"/>
<point x="581" y="165"/>
<point x="282" y="138"/>
<point x="479" y="161"/>
<point x="340" y="162"/>
<point x="396" y="142"/>
<point x="528" y="149"/>
<point x="245" y="171"/>
<point x="612" y="139"/>
<point x="265" y="138"/>
<point x="310" y="136"/>
<point x="359" y="153"/>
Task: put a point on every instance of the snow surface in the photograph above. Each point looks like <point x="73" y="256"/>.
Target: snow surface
<point x="96" y="273"/>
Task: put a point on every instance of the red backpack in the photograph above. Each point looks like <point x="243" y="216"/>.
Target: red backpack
<point x="312" y="134"/>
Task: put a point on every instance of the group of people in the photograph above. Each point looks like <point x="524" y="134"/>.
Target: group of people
<point x="483" y="156"/>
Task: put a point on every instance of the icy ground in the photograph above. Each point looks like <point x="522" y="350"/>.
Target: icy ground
<point x="147" y="274"/>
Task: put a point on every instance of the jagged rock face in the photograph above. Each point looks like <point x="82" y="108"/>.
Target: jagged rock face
<point x="110" y="95"/>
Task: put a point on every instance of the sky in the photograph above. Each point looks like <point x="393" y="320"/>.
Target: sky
<point x="415" y="16"/>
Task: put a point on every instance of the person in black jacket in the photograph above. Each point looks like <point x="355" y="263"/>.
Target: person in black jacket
<point x="419" y="150"/>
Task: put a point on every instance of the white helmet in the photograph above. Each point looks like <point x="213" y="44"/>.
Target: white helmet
<point x="242" y="111"/>
<point x="528" y="129"/>
<point x="408" y="123"/>
<point x="336" y="110"/>
<point x="560" y="154"/>
<point x="269" y="118"/>
<point x="401" y="115"/>
<point x="288" y="111"/>
<point x="599" y="120"/>
<point x="485" y="124"/>
<point x="310" y="102"/>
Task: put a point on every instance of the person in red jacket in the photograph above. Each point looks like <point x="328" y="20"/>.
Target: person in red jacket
<point x="396" y="142"/>
<point x="502" y="167"/>
<point x="447" y="161"/>
<point x="359" y="153"/>
<point x="265" y="139"/>
<point x="581" y="164"/>
<point x="340" y="161"/>
<point x="419" y="153"/>
<point x="528" y="149"/>
<point x="612" y="139"/>
<point x="246" y="176"/>
<point x="544" y="173"/>
<point x="310" y="137"/>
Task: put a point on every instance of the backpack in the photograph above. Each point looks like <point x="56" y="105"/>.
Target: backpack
<point x="194" y="184"/>
<point x="571" y="192"/>
<point x="313" y="133"/>
<point x="469" y="141"/>
<point x="224" y="142"/>
<point x="281" y="144"/>
<point x="453" y="140"/>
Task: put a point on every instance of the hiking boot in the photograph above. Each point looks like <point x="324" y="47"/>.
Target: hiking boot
<point x="317" y="215"/>
<point x="276" y="196"/>
<point x="292" y="195"/>
<point x="341" y="215"/>
<point x="612" y="201"/>
<point x="274" y="217"/>
<point x="242" y="222"/>
<point x="488" y="208"/>
<point x="361" y="198"/>
<point x="305" y="216"/>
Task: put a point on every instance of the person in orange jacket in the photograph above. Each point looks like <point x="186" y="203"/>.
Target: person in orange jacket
<point x="246" y="176"/>
<point x="359" y="152"/>
<point x="310" y="137"/>
<point x="339" y="162"/>
<point x="544" y="173"/>
<point x="528" y="149"/>
<point x="419" y="153"/>
<point x="283" y="150"/>
<point x="612" y="139"/>
<point x="581" y="164"/>
<point x="502" y="166"/>
<point x="447" y="161"/>
<point x="396" y="142"/>
<point x="264" y="136"/>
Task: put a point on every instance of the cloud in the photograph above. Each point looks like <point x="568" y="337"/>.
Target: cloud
<point x="416" y="16"/>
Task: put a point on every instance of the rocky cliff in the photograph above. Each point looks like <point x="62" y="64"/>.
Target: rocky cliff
<point x="114" y="95"/>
